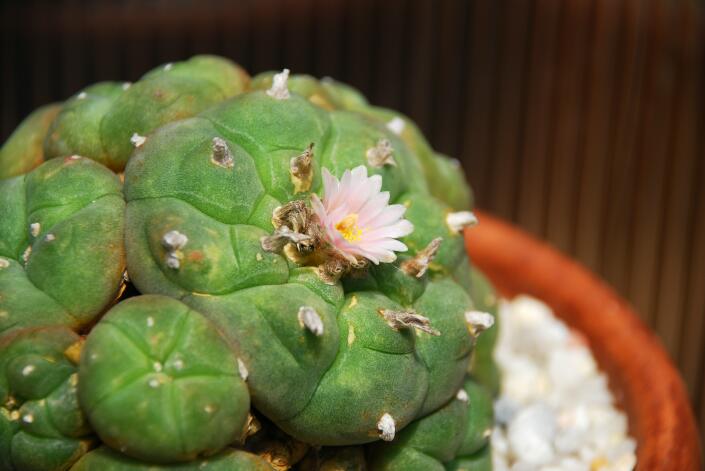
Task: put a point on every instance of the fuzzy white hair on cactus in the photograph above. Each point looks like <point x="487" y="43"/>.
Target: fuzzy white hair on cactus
<point x="280" y="89"/>
<point x="357" y="219"/>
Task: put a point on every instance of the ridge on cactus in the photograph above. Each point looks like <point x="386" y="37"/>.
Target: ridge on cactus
<point x="277" y="279"/>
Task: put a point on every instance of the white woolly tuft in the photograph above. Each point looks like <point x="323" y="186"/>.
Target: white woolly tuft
<point x="35" y="228"/>
<point x="396" y="125"/>
<point x="137" y="140"/>
<point x="460" y="220"/>
<point x="280" y="89"/>
<point x="462" y="395"/>
<point x="309" y="319"/>
<point x="387" y="427"/>
<point x="174" y="240"/>
<point x="479" y="320"/>
<point x="242" y="369"/>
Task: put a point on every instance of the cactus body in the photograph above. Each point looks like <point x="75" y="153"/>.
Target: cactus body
<point x="105" y="459"/>
<point x="250" y="292"/>
<point x="24" y="149"/>
<point x="42" y="427"/>
<point x="482" y="366"/>
<point x="106" y="121"/>
<point x="61" y="248"/>
<point x="453" y="433"/>
<point x="172" y="183"/>
<point x="172" y="369"/>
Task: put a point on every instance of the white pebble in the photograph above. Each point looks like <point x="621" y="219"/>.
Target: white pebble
<point x="531" y="434"/>
<point x="555" y="411"/>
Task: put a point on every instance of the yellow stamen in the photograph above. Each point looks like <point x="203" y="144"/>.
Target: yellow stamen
<point x="348" y="228"/>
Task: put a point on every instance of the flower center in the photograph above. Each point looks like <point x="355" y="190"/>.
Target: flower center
<point x="348" y="228"/>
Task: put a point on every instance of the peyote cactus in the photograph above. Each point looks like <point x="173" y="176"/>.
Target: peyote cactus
<point x="24" y="149"/>
<point x="41" y="423"/>
<point x="62" y="255"/>
<point x="293" y="246"/>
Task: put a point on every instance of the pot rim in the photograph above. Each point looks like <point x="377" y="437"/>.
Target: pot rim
<point x="642" y="377"/>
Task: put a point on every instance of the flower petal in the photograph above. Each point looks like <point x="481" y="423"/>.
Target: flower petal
<point x="399" y="229"/>
<point x="359" y="195"/>
<point x="388" y="215"/>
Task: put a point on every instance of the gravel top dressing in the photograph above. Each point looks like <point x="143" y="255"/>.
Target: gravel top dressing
<point x="555" y="411"/>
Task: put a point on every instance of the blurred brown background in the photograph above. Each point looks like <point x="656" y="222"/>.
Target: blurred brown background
<point x="580" y="120"/>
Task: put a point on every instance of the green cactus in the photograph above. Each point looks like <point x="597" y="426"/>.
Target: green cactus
<point x="177" y="183"/>
<point x="106" y="121"/>
<point x="452" y="433"/>
<point x="174" y="372"/>
<point x="105" y="459"/>
<point x="42" y="427"/>
<point x="344" y="458"/>
<point x="250" y="268"/>
<point x="61" y="248"/>
<point x="24" y="149"/>
<point x="482" y="365"/>
<point x="480" y="461"/>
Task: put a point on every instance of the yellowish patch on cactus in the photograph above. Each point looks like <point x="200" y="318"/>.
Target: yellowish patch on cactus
<point x="321" y="102"/>
<point x="351" y="335"/>
<point x="73" y="351"/>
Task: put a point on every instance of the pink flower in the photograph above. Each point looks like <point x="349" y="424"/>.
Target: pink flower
<point x="357" y="219"/>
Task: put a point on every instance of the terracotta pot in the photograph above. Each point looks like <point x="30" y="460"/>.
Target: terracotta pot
<point x="641" y="375"/>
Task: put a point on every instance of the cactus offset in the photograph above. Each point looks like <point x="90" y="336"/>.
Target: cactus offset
<point x="61" y="244"/>
<point x="172" y="369"/>
<point x="41" y="423"/>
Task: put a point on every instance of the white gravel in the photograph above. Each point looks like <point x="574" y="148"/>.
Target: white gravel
<point x="555" y="411"/>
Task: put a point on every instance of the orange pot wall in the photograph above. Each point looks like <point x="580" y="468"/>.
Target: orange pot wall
<point x="641" y="375"/>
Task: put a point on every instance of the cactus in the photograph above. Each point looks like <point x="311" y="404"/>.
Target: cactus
<point x="24" y="149"/>
<point x="289" y="244"/>
<point x="42" y="427"/>
<point x="105" y="121"/>
<point x="105" y="459"/>
<point x="482" y="366"/>
<point x="172" y="369"/>
<point x="61" y="249"/>
<point x="454" y="432"/>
